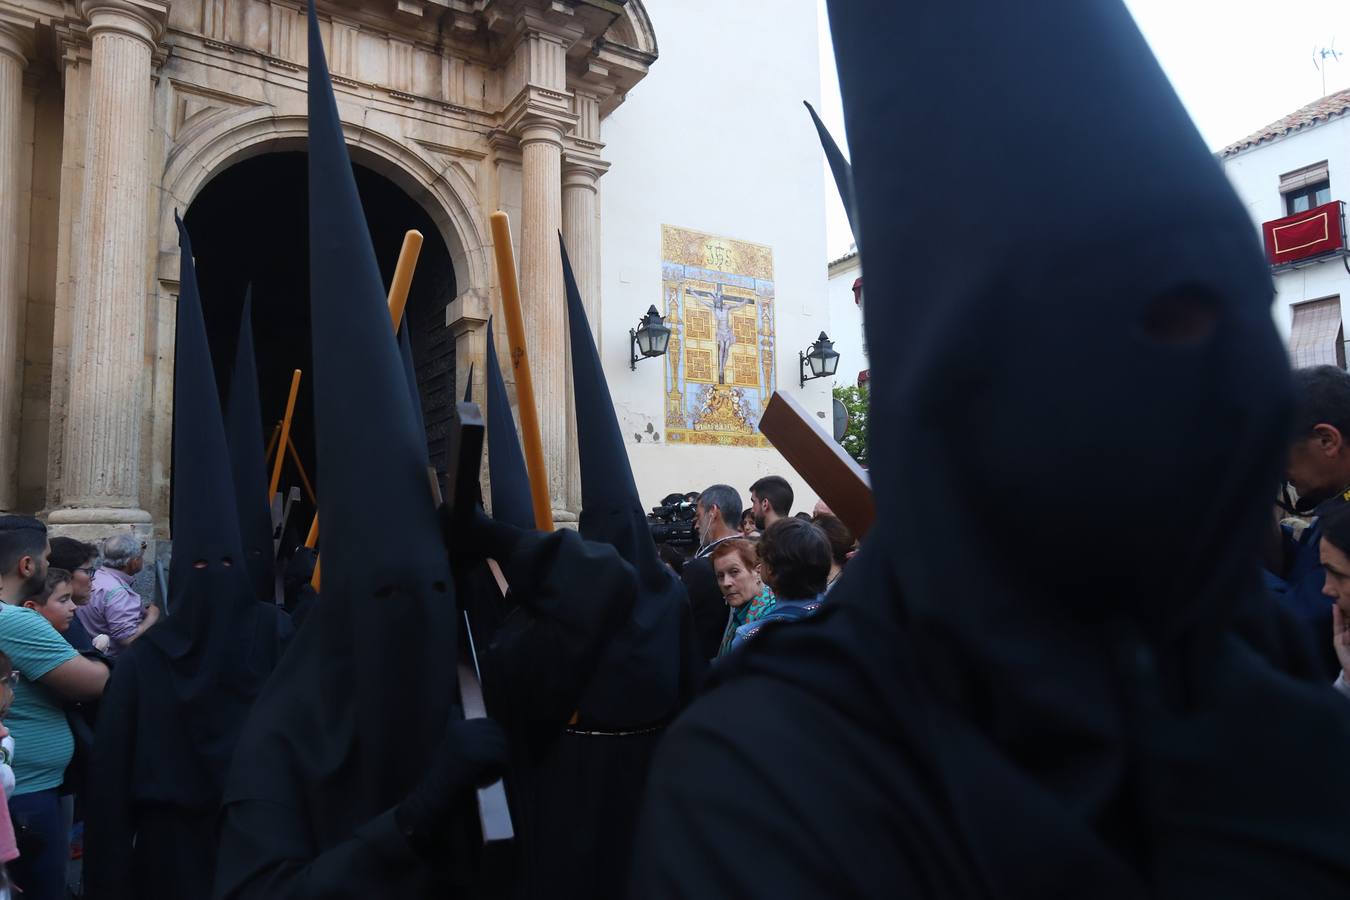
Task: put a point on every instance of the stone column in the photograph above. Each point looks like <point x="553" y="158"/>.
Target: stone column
<point x="542" y="293"/>
<point x="102" y="447"/>
<point x="13" y="61"/>
<point x="583" y="248"/>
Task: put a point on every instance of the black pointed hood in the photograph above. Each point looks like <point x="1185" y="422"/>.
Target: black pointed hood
<point x="387" y="615"/>
<point x="843" y="172"/>
<point x="509" y="478"/>
<point x="1079" y="340"/>
<point x="1094" y="306"/>
<point x="410" y="375"/>
<point x="210" y="631"/>
<point x="205" y="519"/>
<point x="248" y="462"/>
<point x="643" y="662"/>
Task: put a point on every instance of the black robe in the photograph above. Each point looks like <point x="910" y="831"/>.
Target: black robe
<point x="152" y="817"/>
<point x="574" y="786"/>
<point x="536" y="664"/>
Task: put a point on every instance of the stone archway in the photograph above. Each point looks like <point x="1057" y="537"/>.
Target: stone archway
<point x="250" y="232"/>
<point x="446" y="194"/>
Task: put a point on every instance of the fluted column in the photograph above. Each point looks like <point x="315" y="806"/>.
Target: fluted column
<point x="102" y="447"/>
<point x="13" y="61"/>
<point x="583" y="248"/>
<point x="543" y="293"/>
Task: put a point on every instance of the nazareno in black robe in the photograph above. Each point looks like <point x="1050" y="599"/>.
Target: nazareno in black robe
<point x="154" y="817"/>
<point x="1052" y="670"/>
<point x="173" y="710"/>
<point x="567" y="619"/>
<point x="354" y="715"/>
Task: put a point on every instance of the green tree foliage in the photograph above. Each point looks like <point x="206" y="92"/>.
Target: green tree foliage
<point x="854" y="399"/>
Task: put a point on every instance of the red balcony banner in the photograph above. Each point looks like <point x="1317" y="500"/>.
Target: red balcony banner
<point x="1319" y="230"/>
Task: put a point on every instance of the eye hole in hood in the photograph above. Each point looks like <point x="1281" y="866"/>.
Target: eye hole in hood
<point x="1183" y="317"/>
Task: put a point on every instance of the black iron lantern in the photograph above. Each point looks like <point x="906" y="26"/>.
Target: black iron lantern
<point x="651" y="338"/>
<point x="820" y="358"/>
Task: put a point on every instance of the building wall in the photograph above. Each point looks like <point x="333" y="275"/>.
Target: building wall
<point x="715" y="140"/>
<point x="1255" y="175"/>
<point x="846" y="320"/>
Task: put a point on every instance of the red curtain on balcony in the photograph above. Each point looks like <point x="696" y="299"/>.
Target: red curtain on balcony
<point x="1306" y="234"/>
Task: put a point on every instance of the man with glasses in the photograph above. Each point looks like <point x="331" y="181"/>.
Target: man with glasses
<point x="114" y="607"/>
<point x="81" y="561"/>
<point x="717" y="517"/>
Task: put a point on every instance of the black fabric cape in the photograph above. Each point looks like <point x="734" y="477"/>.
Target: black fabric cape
<point x="359" y="705"/>
<point x="1026" y="684"/>
<point x="174" y="708"/>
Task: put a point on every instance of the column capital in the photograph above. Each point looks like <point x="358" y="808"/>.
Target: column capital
<point x="538" y="119"/>
<point x="16" y="36"/>
<point x="144" y="20"/>
<point x="582" y="171"/>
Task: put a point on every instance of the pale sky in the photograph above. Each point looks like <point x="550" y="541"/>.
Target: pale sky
<point x="1237" y="65"/>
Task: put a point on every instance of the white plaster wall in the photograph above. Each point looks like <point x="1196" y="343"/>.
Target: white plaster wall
<point x="716" y="139"/>
<point x="846" y="322"/>
<point x="1255" y="175"/>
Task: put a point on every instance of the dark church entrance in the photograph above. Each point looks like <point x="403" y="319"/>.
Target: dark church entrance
<point x="249" y="226"/>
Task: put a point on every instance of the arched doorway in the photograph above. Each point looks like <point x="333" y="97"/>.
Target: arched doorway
<point x="249" y="226"/>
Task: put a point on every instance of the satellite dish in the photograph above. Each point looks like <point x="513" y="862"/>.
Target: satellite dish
<point x="840" y="420"/>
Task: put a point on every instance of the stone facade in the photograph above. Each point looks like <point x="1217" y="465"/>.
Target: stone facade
<point x="116" y="113"/>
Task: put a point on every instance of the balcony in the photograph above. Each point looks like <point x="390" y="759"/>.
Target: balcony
<point x="1307" y="237"/>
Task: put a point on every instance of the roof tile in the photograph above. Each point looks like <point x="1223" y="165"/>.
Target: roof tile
<point x="1329" y="107"/>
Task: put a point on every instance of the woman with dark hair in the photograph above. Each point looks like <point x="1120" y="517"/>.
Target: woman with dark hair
<point x="736" y="566"/>
<point x="794" y="560"/>
<point x="748" y="528"/>
<point x="841" y="541"/>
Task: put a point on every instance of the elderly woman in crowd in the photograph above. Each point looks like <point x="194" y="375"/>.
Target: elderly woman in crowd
<point x="748" y="528"/>
<point x="737" y="569"/>
<point x="114" y="607"/>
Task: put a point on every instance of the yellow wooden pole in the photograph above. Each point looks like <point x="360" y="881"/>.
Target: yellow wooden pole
<point x="520" y="364"/>
<point x="398" y="302"/>
<point x="285" y="435"/>
<point x="403" y="275"/>
<point x="272" y="445"/>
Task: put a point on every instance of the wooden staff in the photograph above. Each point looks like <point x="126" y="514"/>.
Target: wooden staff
<point x="520" y="364"/>
<point x="403" y="275"/>
<point x="285" y="435"/>
<point x="398" y="302"/>
<point x="272" y="445"/>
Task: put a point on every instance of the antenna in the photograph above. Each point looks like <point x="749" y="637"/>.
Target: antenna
<point x="1320" y="57"/>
